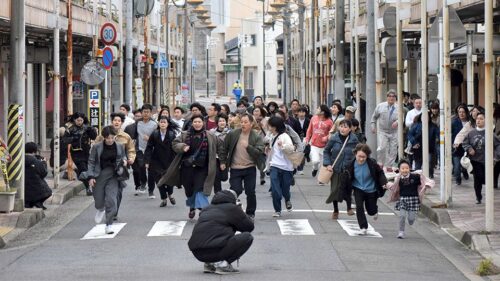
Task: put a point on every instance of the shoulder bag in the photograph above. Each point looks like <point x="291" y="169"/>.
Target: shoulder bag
<point x="324" y="176"/>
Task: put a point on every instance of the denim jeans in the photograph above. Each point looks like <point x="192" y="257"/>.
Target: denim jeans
<point x="280" y="186"/>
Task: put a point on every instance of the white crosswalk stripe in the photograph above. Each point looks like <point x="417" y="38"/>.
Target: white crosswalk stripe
<point x="167" y="228"/>
<point x="292" y="227"/>
<point x="295" y="227"/>
<point x="352" y="229"/>
<point x="97" y="232"/>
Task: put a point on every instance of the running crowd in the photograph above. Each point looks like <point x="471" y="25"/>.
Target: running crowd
<point x="199" y="149"/>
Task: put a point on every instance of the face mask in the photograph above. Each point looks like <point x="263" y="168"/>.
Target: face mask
<point x="241" y="110"/>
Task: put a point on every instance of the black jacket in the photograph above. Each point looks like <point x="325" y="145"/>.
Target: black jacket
<point x="219" y="222"/>
<point x="159" y="154"/>
<point x="36" y="188"/>
<point x="294" y="123"/>
<point x="80" y="139"/>
<point x="303" y="129"/>
<point x="375" y="171"/>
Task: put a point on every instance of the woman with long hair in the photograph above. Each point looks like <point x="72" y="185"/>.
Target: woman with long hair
<point x="272" y="108"/>
<point x="475" y="146"/>
<point x="220" y="133"/>
<point x="415" y="138"/>
<point x="338" y="154"/>
<point x="317" y="135"/>
<point x="79" y="135"/>
<point x="196" y="158"/>
<point x="461" y="120"/>
<point x="159" y="155"/>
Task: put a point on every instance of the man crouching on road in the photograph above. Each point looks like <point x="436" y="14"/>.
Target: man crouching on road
<point x="214" y="241"/>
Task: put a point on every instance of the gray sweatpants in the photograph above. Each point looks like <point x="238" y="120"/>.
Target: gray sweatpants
<point x="402" y="218"/>
<point x="106" y="192"/>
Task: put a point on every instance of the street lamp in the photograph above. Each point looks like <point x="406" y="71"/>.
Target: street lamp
<point x="184" y="5"/>
<point x="263" y="48"/>
<point x="209" y="27"/>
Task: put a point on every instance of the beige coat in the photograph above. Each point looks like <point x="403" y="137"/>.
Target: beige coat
<point x="173" y="174"/>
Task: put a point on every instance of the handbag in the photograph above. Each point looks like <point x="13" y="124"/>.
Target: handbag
<point x="324" y="176"/>
<point x="122" y="173"/>
<point x="465" y="163"/>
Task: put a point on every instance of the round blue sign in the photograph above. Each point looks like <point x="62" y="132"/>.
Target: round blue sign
<point x="107" y="58"/>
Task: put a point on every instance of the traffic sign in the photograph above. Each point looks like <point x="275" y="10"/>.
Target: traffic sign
<point x="94" y="108"/>
<point x="161" y="62"/>
<point x="107" y="58"/>
<point x="108" y="33"/>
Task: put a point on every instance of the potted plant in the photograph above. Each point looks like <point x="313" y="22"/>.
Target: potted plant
<point x="7" y="194"/>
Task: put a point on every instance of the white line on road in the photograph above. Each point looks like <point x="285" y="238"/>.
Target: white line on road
<point x="97" y="232"/>
<point x="295" y="227"/>
<point x="167" y="228"/>
<point x="352" y="228"/>
<point x="318" y="211"/>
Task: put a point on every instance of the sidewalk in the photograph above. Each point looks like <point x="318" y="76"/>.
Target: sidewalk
<point x="464" y="219"/>
<point x="29" y="217"/>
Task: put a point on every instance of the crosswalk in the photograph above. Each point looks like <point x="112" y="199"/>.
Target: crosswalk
<point x="287" y="227"/>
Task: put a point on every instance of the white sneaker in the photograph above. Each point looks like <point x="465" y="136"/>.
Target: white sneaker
<point x="108" y="229"/>
<point x="277" y="215"/>
<point x="363" y="231"/>
<point x="301" y="173"/>
<point x="99" y="216"/>
<point x="152" y="196"/>
<point x="401" y="235"/>
<point x="375" y="217"/>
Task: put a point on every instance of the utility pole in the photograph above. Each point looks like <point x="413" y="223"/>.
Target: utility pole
<point x="146" y="65"/>
<point x="447" y="103"/>
<point x="286" y="33"/>
<point x="17" y="79"/>
<point x="158" y="70"/>
<point x="69" y="66"/>
<point x="378" y="71"/>
<point x="425" y="109"/>
<point x="315" y="93"/>
<point x="339" y="51"/>
<point x="129" y="53"/>
<point x="167" y="55"/>
<point x="264" y="49"/>
<point x="370" y="72"/>
<point x="470" y="71"/>
<point x="208" y="70"/>
<point x="356" y="41"/>
<point x="184" y="60"/>
<point x="399" y="70"/>
<point x="301" y="54"/>
<point x="488" y="103"/>
<point x="57" y="97"/>
<point x="120" y="46"/>
<point x="351" y="44"/>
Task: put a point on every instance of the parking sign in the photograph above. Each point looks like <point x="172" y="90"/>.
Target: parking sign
<point x="94" y="108"/>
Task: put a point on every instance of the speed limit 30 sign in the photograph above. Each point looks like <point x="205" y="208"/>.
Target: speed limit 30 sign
<point x="108" y="33"/>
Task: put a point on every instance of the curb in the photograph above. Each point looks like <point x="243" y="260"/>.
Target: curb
<point x="62" y="195"/>
<point x="473" y="239"/>
<point x="30" y="217"/>
<point x="25" y="220"/>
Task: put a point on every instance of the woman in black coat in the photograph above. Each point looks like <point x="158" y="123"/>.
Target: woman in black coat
<point x="36" y="188"/>
<point x="158" y="156"/>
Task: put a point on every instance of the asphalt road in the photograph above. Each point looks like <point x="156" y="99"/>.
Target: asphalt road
<point x="54" y="249"/>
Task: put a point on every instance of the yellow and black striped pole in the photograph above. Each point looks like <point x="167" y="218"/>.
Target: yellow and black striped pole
<point x="16" y="147"/>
